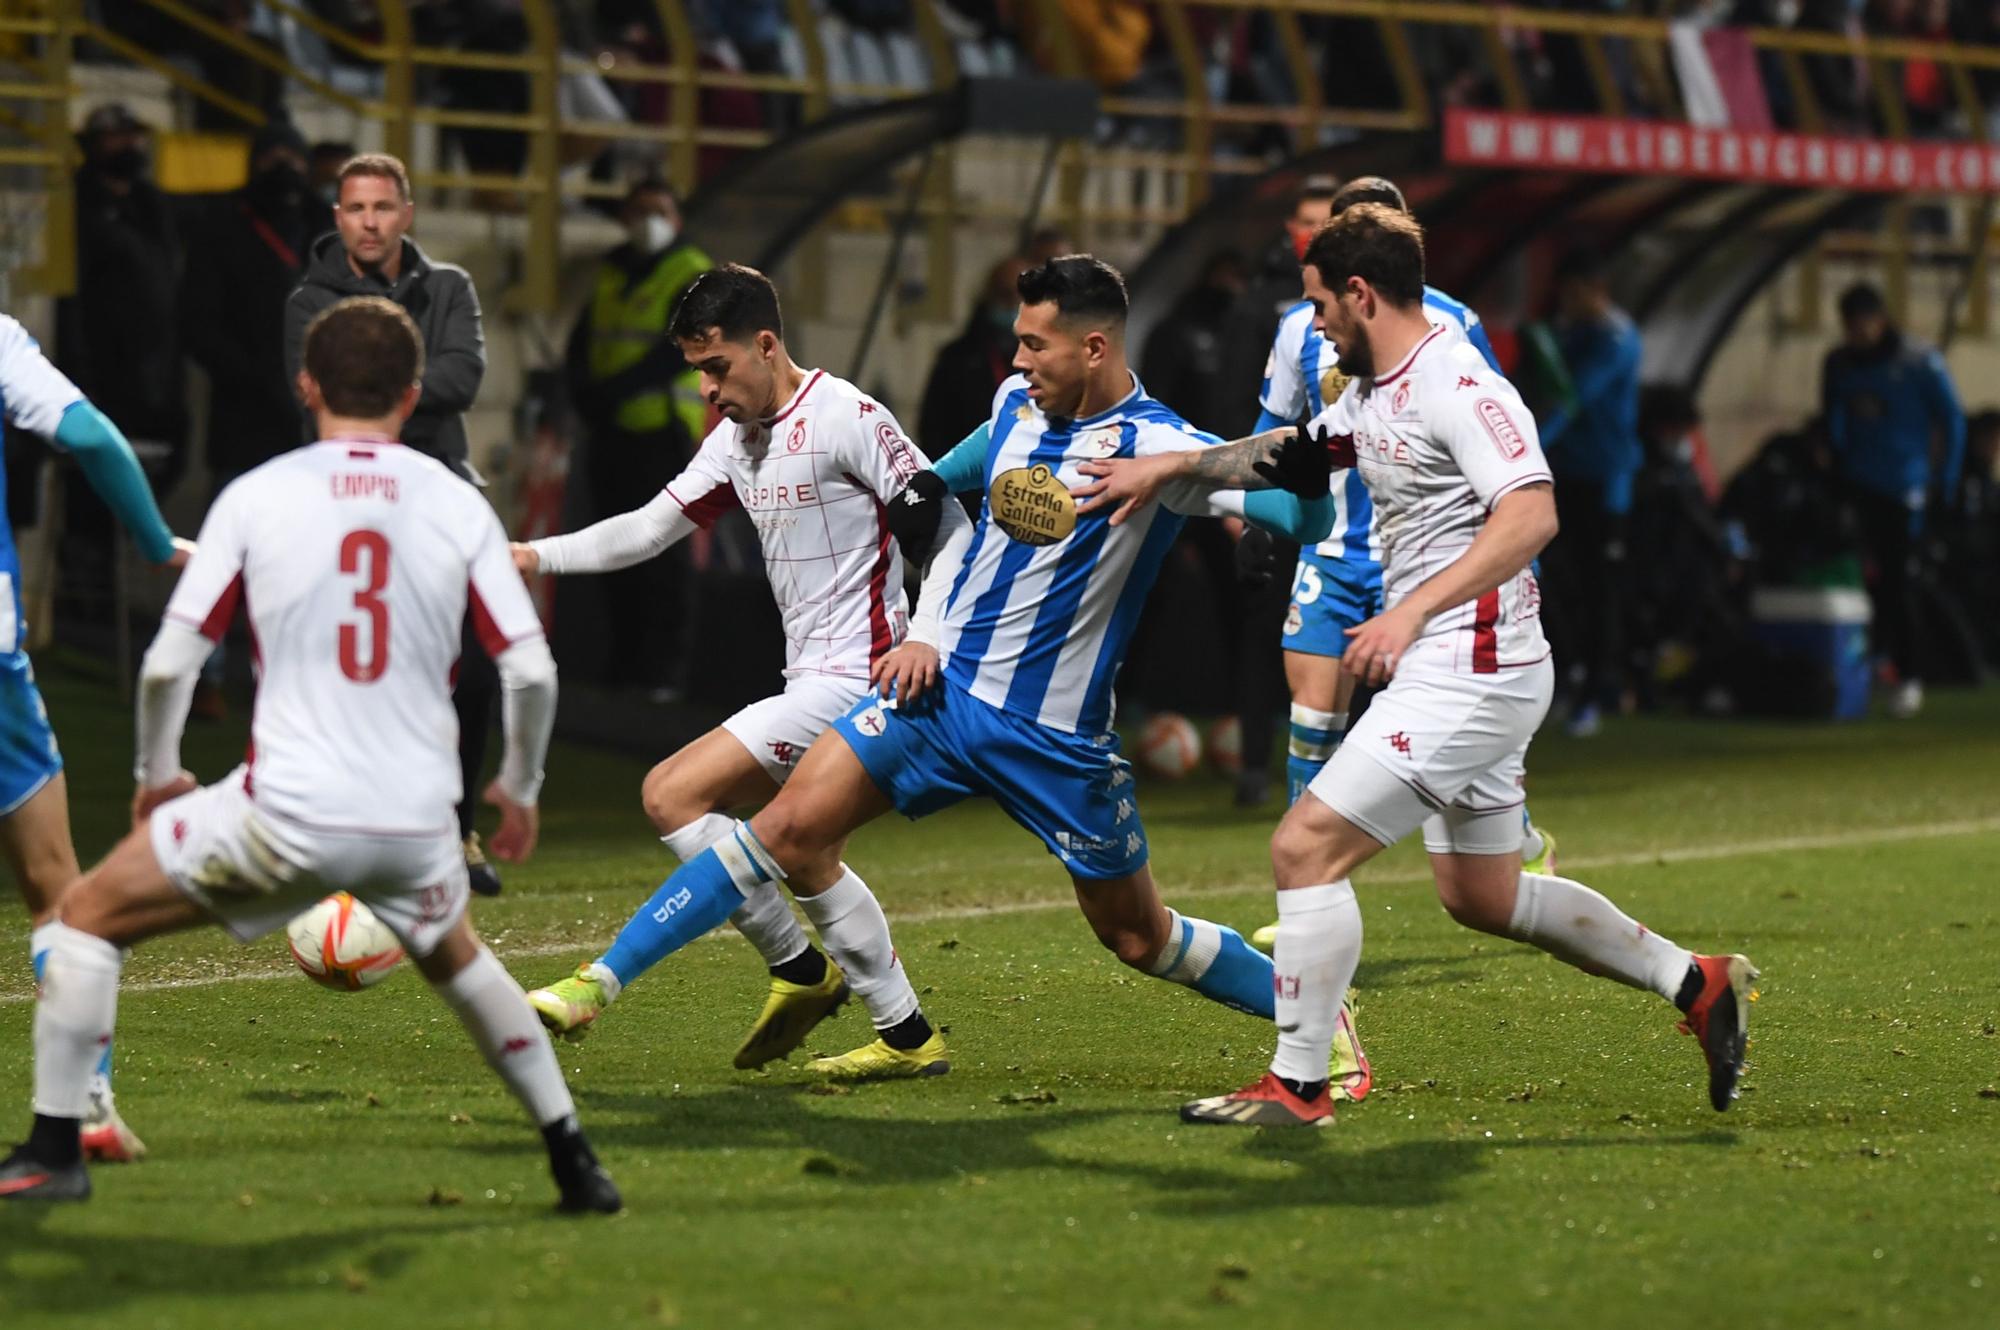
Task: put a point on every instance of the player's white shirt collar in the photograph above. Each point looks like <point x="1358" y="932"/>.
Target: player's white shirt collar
<point x="1434" y="337"/>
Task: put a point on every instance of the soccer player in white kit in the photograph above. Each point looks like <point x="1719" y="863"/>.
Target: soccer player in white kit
<point x="356" y="559"/>
<point x="815" y="462"/>
<point x="1465" y="502"/>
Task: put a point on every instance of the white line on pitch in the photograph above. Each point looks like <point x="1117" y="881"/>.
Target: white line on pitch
<point x="1691" y="854"/>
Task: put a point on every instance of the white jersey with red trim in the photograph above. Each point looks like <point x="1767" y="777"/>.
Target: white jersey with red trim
<point x="814" y="479"/>
<point x="1439" y="440"/>
<point x="356" y="562"/>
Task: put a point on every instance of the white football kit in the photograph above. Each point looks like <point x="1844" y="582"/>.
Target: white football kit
<point x="1440" y="440"/>
<point x="356" y="561"/>
<point x="814" y="480"/>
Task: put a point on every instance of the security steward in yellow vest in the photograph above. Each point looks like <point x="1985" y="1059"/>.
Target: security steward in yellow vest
<point x="642" y="416"/>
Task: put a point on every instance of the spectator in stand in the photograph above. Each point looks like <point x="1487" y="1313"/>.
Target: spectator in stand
<point x="323" y="175"/>
<point x="643" y="415"/>
<point x="370" y="254"/>
<point x="1839" y="82"/>
<point x="116" y="337"/>
<point x="958" y="396"/>
<point x="242" y="264"/>
<point x="232" y="70"/>
<point x="1593" y="447"/>
<point x="1898" y="435"/>
<point x="1182" y="359"/>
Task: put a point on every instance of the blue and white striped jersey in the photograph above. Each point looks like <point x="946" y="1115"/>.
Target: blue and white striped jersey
<point x="33" y="396"/>
<point x="1303" y="377"/>
<point x="1045" y="603"/>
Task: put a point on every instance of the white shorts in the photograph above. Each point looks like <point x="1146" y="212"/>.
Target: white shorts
<point x="255" y="872"/>
<point x="778" y="730"/>
<point x="1444" y="751"/>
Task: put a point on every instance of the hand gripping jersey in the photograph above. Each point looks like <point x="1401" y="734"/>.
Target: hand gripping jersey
<point x="1302" y="377"/>
<point x="814" y="479"/>
<point x="1042" y="610"/>
<point x="356" y="562"/>
<point x="1439" y="440"/>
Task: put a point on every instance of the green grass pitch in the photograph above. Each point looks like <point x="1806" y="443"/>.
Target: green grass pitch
<point x="1538" y="1151"/>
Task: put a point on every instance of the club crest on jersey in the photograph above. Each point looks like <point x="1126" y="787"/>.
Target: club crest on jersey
<point x="796" y="440"/>
<point x="1032" y="506"/>
<point x="1332" y="384"/>
<point x="1402" y="398"/>
<point x="1104" y="441"/>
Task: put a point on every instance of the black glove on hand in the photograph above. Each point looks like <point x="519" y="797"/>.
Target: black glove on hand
<point x="1256" y="556"/>
<point x="1303" y="464"/>
<point x="913" y="515"/>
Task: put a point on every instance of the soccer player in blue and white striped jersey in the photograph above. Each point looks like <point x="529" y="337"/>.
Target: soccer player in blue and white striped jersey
<point x="1014" y="699"/>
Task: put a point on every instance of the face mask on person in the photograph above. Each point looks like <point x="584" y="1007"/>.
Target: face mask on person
<point x="124" y="164"/>
<point x="278" y="188"/>
<point x="651" y="234"/>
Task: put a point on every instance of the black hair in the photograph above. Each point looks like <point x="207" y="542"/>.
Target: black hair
<point x="738" y="301"/>
<point x="651" y="184"/>
<point x="1376" y="243"/>
<point x="1318" y="187"/>
<point x="1369" y="189"/>
<point x="1080" y="286"/>
<point x="364" y="353"/>
<point x="1862" y="299"/>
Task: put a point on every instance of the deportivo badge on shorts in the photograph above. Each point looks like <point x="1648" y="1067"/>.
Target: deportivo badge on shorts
<point x="1295" y="619"/>
<point x="871" y="722"/>
<point x="1032" y="506"/>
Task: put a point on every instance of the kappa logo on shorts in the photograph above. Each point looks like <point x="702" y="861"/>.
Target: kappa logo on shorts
<point x="1134" y="843"/>
<point x="872" y="722"/>
<point x="1400" y="742"/>
<point x="180" y="830"/>
<point x="1125" y="810"/>
<point x="783" y="753"/>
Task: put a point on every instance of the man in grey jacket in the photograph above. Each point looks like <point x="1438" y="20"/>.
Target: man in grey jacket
<point x="369" y="255"/>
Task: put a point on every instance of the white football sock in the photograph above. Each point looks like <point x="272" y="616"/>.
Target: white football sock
<point x="1532" y="843"/>
<point x="855" y="933"/>
<point x="764" y="918"/>
<point x="1318" y="948"/>
<point x="73" y="1017"/>
<point x="495" y="1012"/>
<point x="1575" y="924"/>
<point x="1185" y="964"/>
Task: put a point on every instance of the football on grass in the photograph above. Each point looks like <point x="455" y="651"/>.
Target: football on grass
<point x="1169" y="745"/>
<point x="341" y="944"/>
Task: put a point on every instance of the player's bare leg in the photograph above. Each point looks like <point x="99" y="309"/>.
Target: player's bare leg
<point x="123" y="901"/>
<point x="1491" y="893"/>
<point x="688" y="798"/>
<point x="495" y="1012"/>
<point x="1316" y="950"/>
<point x="805" y="829"/>
<point x="1141" y="930"/>
<point x="35" y="840"/>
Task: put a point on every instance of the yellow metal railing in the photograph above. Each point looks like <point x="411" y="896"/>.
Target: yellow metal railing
<point x="1199" y="133"/>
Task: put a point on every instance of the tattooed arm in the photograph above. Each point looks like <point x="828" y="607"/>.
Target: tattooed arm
<point x="1289" y="459"/>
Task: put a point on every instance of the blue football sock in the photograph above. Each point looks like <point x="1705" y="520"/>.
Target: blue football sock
<point x="1315" y="734"/>
<point x="1217" y="963"/>
<point x="701" y="894"/>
